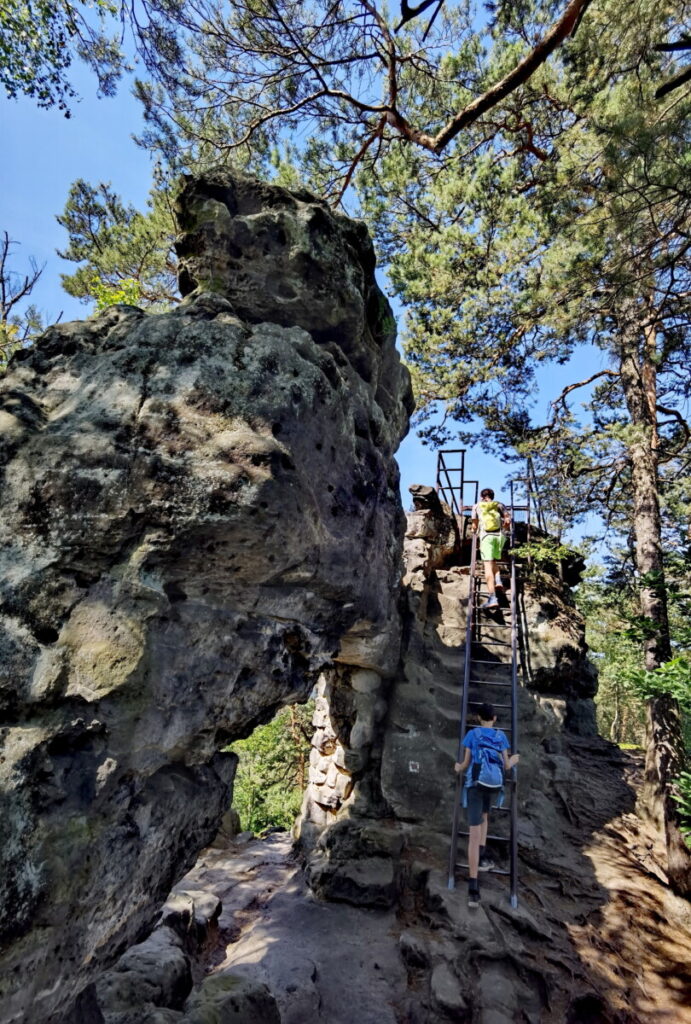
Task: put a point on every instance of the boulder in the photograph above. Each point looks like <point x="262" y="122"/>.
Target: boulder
<point x="198" y="507"/>
<point x="231" y="998"/>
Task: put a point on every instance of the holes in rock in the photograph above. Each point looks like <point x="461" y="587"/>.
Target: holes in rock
<point x="276" y="429"/>
<point x="174" y="592"/>
<point x="588" y="1009"/>
<point x="45" y="634"/>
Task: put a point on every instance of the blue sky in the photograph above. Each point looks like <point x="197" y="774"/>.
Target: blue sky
<point x="44" y="153"/>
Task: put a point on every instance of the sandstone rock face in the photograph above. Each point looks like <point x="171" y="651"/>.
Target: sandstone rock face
<point x="197" y="507"/>
<point x="385" y="748"/>
<point x="421" y="740"/>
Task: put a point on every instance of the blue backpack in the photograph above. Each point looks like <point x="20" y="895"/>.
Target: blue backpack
<point x="487" y="765"/>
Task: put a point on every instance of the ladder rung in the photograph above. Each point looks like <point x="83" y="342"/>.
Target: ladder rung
<point x="496" y="705"/>
<point x="499" y="839"/>
<point x="492" y="871"/>
<point x="498" y="664"/>
<point x="487" y="682"/>
<point x="492" y="643"/>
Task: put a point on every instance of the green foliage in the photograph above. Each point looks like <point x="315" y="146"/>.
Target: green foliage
<point x="125" y="256"/>
<point x="272" y="772"/>
<point x="607" y="606"/>
<point x="682" y="799"/>
<point x="672" y="679"/>
<point x="17" y="332"/>
<point x="544" y="553"/>
<point x="614" y="631"/>
<point x="39" y="40"/>
<point x="127" y="292"/>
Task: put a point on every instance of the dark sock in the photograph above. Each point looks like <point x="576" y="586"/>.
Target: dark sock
<point x="482" y="851"/>
<point x="473" y="885"/>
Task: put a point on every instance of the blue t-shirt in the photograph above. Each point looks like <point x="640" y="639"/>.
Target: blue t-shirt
<point x="472" y="738"/>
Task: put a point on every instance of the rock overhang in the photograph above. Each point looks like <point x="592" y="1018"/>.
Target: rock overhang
<point x="198" y="508"/>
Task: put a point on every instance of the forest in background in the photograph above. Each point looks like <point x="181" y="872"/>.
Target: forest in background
<point x="525" y="170"/>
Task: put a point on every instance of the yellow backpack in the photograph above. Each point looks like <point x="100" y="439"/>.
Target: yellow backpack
<point x="490" y="516"/>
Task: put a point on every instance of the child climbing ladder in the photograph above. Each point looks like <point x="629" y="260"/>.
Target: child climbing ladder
<point x="484" y="762"/>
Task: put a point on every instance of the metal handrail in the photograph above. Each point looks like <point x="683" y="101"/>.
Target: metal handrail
<point x="456" y="506"/>
<point x="513" y="859"/>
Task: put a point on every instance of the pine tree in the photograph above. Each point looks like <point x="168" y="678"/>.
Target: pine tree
<point x="126" y="256"/>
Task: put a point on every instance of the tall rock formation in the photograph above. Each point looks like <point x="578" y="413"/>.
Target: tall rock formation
<point x="381" y="768"/>
<point x="200" y="511"/>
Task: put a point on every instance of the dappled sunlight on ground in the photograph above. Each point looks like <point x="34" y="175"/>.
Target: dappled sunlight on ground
<point x="638" y="945"/>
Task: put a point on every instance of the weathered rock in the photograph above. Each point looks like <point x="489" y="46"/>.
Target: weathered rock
<point x="432" y="535"/>
<point x="286" y="258"/>
<point x="231" y="998"/>
<point x="197" y="508"/>
<point x="446" y="993"/>
<point x="155" y="972"/>
<point x="356" y="861"/>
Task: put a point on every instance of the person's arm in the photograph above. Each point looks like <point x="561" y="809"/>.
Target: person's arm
<point x="475" y="521"/>
<point x="460" y="766"/>
<point x="510" y="760"/>
<point x="506" y="522"/>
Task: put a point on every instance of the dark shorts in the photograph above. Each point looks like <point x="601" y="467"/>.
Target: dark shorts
<point x="480" y="800"/>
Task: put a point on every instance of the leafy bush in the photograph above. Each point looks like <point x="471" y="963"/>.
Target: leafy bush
<point x="272" y="772"/>
<point x="672" y="679"/>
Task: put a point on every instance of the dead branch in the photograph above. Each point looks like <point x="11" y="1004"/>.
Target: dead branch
<point x="560" y="399"/>
<point x="12" y="287"/>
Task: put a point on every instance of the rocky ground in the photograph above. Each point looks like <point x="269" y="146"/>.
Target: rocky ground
<point x="598" y="937"/>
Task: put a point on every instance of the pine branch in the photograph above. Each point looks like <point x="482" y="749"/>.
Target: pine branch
<point x="567" y="25"/>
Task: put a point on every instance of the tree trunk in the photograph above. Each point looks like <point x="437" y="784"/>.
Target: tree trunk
<point x="664" y="741"/>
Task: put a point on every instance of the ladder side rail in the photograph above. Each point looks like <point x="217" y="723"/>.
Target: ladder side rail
<point x="464" y="711"/>
<point x="514" y="717"/>
<point x="455" y="505"/>
<point x="440" y="486"/>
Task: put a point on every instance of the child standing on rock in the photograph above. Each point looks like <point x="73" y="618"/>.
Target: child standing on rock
<point x="485" y="760"/>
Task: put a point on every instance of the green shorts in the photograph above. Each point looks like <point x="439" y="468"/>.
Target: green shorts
<point x="491" y="546"/>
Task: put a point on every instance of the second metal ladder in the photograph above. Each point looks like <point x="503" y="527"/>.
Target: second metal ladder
<point x="491" y="667"/>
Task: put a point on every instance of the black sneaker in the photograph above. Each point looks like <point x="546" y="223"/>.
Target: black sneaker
<point x="486" y="863"/>
<point x="473" y="897"/>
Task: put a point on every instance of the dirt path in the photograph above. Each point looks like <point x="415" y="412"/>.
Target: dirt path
<point x="323" y="962"/>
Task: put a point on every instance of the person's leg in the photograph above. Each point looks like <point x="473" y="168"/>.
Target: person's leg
<point x="485" y="862"/>
<point x="474" y="800"/>
<point x="490" y="571"/>
<point x="474" y="840"/>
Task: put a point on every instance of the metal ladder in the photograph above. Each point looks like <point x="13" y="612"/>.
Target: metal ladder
<point x="485" y="678"/>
